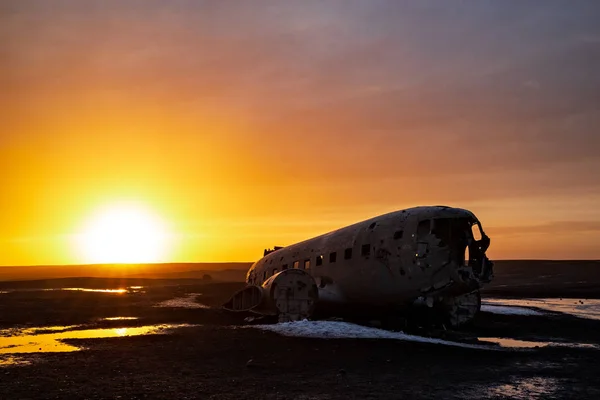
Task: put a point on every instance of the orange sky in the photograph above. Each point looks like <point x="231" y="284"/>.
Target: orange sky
<point x="247" y="126"/>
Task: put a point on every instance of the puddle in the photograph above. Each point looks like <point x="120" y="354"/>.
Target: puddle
<point x="118" y="291"/>
<point x="582" y="308"/>
<point x="119" y="318"/>
<point x="129" y="289"/>
<point x="189" y="301"/>
<point x="524" y="344"/>
<point x="49" y="339"/>
<point x="9" y="360"/>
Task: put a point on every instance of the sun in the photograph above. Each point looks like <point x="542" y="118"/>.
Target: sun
<point x="123" y="233"/>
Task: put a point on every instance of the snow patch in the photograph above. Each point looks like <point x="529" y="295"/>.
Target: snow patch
<point x="346" y="330"/>
<point x="508" y="310"/>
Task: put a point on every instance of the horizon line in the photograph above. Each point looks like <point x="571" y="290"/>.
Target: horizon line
<point x="245" y="262"/>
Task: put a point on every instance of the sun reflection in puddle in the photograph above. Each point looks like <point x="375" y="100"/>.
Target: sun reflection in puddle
<point x="94" y="290"/>
<point x="10" y="360"/>
<point x="524" y="344"/>
<point x="128" y="289"/>
<point x="30" y="341"/>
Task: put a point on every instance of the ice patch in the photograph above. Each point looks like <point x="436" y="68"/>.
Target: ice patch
<point x="346" y="330"/>
<point x="508" y="310"/>
<point x="189" y="301"/>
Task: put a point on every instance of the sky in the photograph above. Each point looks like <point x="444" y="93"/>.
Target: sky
<point x="244" y="125"/>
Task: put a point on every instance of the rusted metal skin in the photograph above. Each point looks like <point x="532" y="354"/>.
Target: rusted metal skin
<point x="389" y="261"/>
<point x="249" y="298"/>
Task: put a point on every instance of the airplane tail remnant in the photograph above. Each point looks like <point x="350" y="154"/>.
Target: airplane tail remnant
<point x="433" y="256"/>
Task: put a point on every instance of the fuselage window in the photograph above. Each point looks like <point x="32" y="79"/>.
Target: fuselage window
<point x="398" y="235"/>
<point x="296" y="264"/>
<point x="365" y="250"/>
<point x="284" y="267"/>
<point x="319" y="261"/>
<point x="306" y="264"/>
<point x="348" y="253"/>
<point x="423" y="228"/>
<point x="332" y="257"/>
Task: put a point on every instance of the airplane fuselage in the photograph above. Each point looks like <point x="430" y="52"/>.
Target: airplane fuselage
<point x="390" y="260"/>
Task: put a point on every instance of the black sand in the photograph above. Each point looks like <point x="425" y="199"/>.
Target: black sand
<point x="212" y="360"/>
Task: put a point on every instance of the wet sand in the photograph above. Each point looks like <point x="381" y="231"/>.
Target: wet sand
<point x="220" y="357"/>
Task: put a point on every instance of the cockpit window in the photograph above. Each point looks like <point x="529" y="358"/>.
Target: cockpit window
<point x="454" y="233"/>
<point x="476" y="232"/>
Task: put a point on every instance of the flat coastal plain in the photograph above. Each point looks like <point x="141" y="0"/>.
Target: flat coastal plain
<point x="538" y="336"/>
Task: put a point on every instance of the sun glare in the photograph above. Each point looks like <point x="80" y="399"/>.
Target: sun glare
<point x="123" y="234"/>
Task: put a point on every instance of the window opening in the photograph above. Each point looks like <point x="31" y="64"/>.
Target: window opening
<point x="348" y="253"/>
<point x="332" y="257"/>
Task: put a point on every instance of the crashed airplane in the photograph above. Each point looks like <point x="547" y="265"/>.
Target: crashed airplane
<point x="428" y="256"/>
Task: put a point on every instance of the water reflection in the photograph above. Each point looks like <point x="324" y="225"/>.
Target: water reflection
<point x="506" y="342"/>
<point x="93" y="290"/>
<point x="31" y="341"/>
<point x="128" y="289"/>
<point x="516" y="343"/>
<point x="9" y="360"/>
<point x="583" y="308"/>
